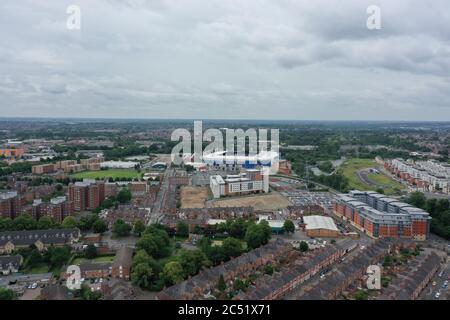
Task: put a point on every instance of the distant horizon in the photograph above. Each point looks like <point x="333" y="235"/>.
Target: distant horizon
<point x="223" y="119"/>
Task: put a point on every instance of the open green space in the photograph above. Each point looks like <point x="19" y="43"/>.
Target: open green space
<point x="109" y="173"/>
<point x="41" y="268"/>
<point x="350" y="170"/>
<point x="100" y="259"/>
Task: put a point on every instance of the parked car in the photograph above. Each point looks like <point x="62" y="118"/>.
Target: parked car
<point x="437" y="295"/>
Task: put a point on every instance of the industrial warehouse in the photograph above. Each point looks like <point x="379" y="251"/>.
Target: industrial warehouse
<point x="320" y="226"/>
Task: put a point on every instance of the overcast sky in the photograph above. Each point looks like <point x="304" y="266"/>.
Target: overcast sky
<point x="231" y="59"/>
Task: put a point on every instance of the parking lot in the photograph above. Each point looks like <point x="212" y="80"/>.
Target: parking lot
<point x="27" y="286"/>
<point x="305" y="198"/>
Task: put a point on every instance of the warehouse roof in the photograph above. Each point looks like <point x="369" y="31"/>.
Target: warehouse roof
<point x="319" y="222"/>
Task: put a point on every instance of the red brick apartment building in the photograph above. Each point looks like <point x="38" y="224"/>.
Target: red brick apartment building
<point x="11" y="204"/>
<point x="12" y="152"/>
<point x="382" y="217"/>
<point x="58" y="208"/>
<point x="43" y="169"/>
<point x="86" y="195"/>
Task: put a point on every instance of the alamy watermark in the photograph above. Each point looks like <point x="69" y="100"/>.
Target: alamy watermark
<point x="374" y="277"/>
<point x="374" y="20"/>
<point x="74" y="19"/>
<point x="73" y="281"/>
<point x="252" y="146"/>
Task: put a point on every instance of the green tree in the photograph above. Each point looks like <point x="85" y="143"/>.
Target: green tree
<point x="182" y="229"/>
<point x="237" y="228"/>
<point x="85" y="293"/>
<point x="192" y="261"/>
<point x="121" y="228"/>
<point x="34" y="258"/>
<point x="417" y="199"/>
<point x="238" y="284"/>
<point x="139" y="227"/>
<point x="173" y="273"/>
<point x="6" y="294"/>
<point x="99" y="226"/>
<point x="288" y="226"/>
<point x="266" y="230"/>
<point x="204" y="243"/>
<point x="231" y="247"/>
<point x="24" y="222"/>
<point x="221" y="285"/>
<point x="69" y="223"/>
<point x="142" y="257"/>
<point x="86" y="222"/>
<point x="147" y="243"/>
<point x="360" y="295"/>
<point x="387" y="262"/>
<point x="90" y="252"/>
<point x="57" y="256"/>
<point x="46" y="223"/>
<point x="268" y="269"/>
<point x="303" y="246"/>
<point x="258" y="234"/>
<point x="160" y="241"/>
<point x="107" y="203"/>
<point x="142" y="275"/>
<point x="254" y="236"/>
<point x="124" y="196"/>
<point x="6" y="224"/>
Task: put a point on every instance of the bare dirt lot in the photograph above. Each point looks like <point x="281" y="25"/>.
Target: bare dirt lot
<point x="264" y="202"/>
<point x="193" y="197"/>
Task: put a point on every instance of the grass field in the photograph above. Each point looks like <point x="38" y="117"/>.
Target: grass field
<point x="193" y="197"/>
<point x="110" y="173"/>
<point x="43" y="268"/>
<point x="351" y="168"/>
<point x="96" y="260"/>
<point x="264" y="202"/>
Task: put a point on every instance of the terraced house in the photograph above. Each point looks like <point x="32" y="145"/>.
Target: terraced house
<point x="10" y="264"/>
<point x="42" y="239"/>
<point x="292" y="275"/>
<point x="351" y="270"/>
<point x="411" y="281"/>
<point x="201" y="285"/>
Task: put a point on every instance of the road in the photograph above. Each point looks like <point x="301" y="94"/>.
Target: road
<point x="334" y="191"/>
<point x="313" y="281"/>
<point x="430" y="290"/>
<point x="24" y="278"/>
<point x="161" y="197"/>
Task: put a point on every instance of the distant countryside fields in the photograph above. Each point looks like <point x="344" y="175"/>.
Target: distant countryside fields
<point x="110" y="173"/>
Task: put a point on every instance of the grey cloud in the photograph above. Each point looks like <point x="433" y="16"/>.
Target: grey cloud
<point x="226" y="58"/>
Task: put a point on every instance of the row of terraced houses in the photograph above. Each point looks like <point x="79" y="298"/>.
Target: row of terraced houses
<point x="428" y="175"/>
